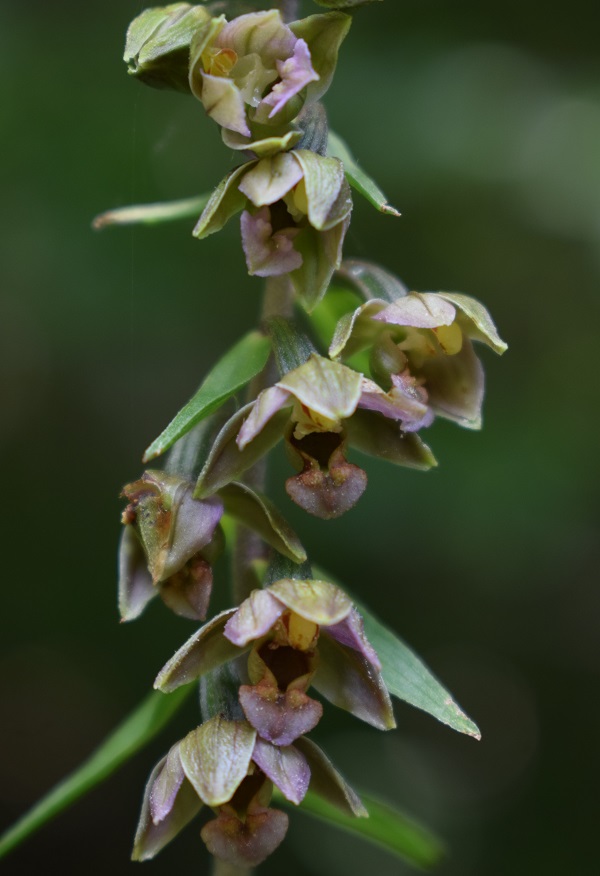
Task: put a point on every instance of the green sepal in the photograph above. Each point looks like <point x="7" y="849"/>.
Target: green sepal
<point x="291" y="346"/>
<point x="357" y="177"/>
<point x="260" y="514"/>
<point x="157" y="47"/>
<point x="215" y="758"/>
<point x="152" y="214"/>
<point x="370" y="281"/>
<point x="385" y="827"/>
<point x="324" y="34"/>
<point x="226" y="462"/>
<point x="139" y="728"/>
<point x="328" y="197"/>
<point x="375" y="435"/>
<point x="233" y="371"/>
<point x="321" y="253"/>
<point x="328" y="784"/>
<point x="261" y="146"/>
<point x="225" y="202"/>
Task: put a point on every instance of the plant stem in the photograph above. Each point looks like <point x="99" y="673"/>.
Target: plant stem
<point x="289" y="9"/>
<point x="277" y="301"/>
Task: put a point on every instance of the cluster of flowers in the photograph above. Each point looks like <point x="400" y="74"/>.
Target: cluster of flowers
<point x="260" y="80"/>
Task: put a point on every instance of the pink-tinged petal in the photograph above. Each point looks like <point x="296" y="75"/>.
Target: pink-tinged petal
<point x="456" y="386"/>
<point x="245" y="843"/>
<point x="194" y="527"/>
<point x="268" y="254"/>
<point x="325" y="488"/>
<point x="266" y="406"/>
<point x="327" y="783"/>
<point x="166" y="786"/>
<point x="150" y="838"/>
<point x="224" y="104"/>
<point x="351" y="632"/>
<point x="187" y="593"/>
<point x="295" y="74"/>
<point x="350" y="682"/>
<point x="254" y="618"/>
<point x="406" y="401"/>
<point x="419" y="310"/>
<point x="317" y="601"/>
<point x="279" y="718"/>
<point x="327" y="388"/>
<point x="215" y="758"/>
<point x="285" y="766"/>
<point x="135" y="582"/>
<point x="263" y="33"/>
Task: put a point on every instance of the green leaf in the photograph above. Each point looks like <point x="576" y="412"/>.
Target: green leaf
<point x="132" y="735"/>
<point x="237" y="367"/>
<point x="385" y="827"/>
<point x="358" y="179"/>
<point x="407" y="677"/>
<point x="152" y="214"/>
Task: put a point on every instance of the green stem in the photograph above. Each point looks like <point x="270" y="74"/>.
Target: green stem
<point x="277" y="301"/>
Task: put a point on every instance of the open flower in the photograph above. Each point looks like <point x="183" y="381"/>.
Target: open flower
<point x="421" y="348"/>
<point x="299" y="633"/>
<point x="223" y="764"/>
<point x="168" y="545"/>
<point x="255" y="74"/>
<point x="296" y="210"/>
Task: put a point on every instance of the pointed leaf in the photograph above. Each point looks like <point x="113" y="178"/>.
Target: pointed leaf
<point x="385" y="827"/>
<point x="226" y="462"/>
<point x="152" y="214"/>
<point x="234" y="370"/>
<point x="204" y="651"/>
<point x="216" y="756"/>
<point x="409" y="679"/>
<point x="260" y="514"/>
<point x="357" y="177"/>
<point x="135" y="732"/>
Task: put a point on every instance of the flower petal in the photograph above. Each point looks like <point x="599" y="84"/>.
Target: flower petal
<point x="376" y="435"/>
<point x="166" y="786"/>
<point x="325" y="387"/>
<point x="266" y="405"/>
<point x="285" y="766"/>
<point x="215" y="758"/>
<point x="326" y="494"/>
<point x="294" y="74"/>
<point x="279" y="718"/>
<point x="254" y="618"/>
<point x="225" y="202"/>
<point x="350" y="682"/>
<point x="224" y="104"/>
<point x="262" y="146"/>
<point x="268" y="254"/>
<point x="194" y="526"/>
<point x="317" y="601"/>
<point x="261" y="32"/>
<point x="357" y="330"/>
<point x="321" y="253"/>
<point x="135" y="582"/>
<point x="271" y="178"/>
<point x="150" y="838"/>
<point x="475" y="320"/>
<point x="187" y="593"/>
<point x="324" y="34"/>
<point x="419" y="310"/>
<point x="456" y="386"/>
<point x="326" y="782"/>
<point x="351" y="632"/>
<point x="245" y="843"/>
<point x="204" y="651"/>
<point x="327" y="194"/>
<point x="406" y="401"/>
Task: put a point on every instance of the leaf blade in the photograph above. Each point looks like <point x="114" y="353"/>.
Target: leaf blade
<point x="358" y="178"/>
<point x="128" y="738"/>
<point x="233" y="371"/>
<point x="152" y="214"/>
<point x="385" y="827"/>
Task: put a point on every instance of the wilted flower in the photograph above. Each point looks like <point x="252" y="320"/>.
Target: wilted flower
<point x="421" y="349"/>
<point x="168" y="545"/>
<point x="299" y="633"/>
<point x="223" y="764"/>
<point x="255" y="74"/>
<point x="296" y="212"/>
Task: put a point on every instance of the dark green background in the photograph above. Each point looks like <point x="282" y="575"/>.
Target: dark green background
<point x="482" y="124"/>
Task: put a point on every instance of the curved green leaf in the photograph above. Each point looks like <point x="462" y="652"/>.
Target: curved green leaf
<point x="385" y="827"/>
<point x="135" y="732"/>
<point x="234" y="370"/>
<point x="152" y="214"/>
<point x="357" y="177"/>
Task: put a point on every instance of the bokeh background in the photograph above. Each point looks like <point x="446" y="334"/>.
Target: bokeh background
<point x="482" y="124"/>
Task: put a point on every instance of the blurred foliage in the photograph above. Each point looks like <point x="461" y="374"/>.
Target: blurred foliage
<point x="482" y="125"/>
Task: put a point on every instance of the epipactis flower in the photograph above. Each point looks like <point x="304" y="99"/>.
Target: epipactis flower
<point x="296" y="210"/>
<point x="255" y="74"/>
<point x="223" y="764"/>
<point x="323" y="395"/>
<point x="421" y="348"/>
<point x="299" y="633"/>
<point x="168" y="545"/>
